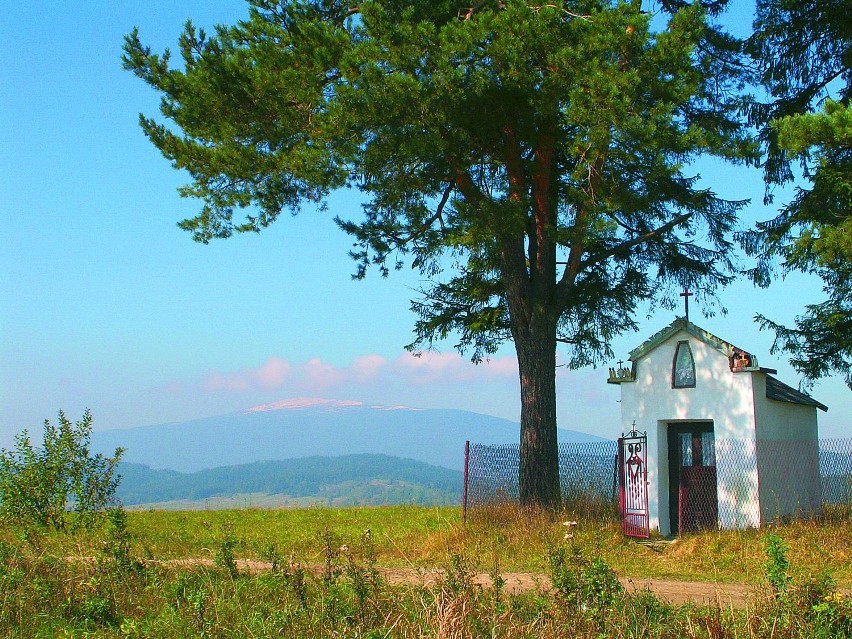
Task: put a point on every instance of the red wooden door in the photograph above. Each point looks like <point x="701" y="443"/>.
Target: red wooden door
<point x="694" y="503"/>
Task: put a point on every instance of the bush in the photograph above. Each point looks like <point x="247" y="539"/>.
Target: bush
<point x="39" y="487"/>
<point x="777" y="565"/>
<point x="585" y="585"/>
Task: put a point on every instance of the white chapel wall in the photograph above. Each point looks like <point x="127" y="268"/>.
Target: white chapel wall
<point x="719" y="396"/>
<point x="787" y="456"/>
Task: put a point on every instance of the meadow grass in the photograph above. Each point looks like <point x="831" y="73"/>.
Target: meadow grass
<point x="107" y="591"/>
<point x="519" y="541"/>
<point x="426" y="537"/>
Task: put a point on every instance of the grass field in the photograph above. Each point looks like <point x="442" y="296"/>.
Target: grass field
<point x="425" y="537"/>
<point x="125" y="586"/>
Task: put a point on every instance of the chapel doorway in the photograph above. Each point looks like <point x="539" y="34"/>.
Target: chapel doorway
<point x="693" y="500"/>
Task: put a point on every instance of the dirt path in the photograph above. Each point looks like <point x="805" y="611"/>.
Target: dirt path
<point x="675" y="592"/>
<point x="736" y="595"/>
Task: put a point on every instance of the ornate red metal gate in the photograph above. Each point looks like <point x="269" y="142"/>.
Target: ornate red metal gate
<point x="633" y="484"/>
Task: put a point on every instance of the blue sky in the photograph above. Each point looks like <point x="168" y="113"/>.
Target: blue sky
<point x="106" y="304"/>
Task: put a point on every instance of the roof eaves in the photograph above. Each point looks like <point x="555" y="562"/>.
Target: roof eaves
<point x="781" y="392"/>
<point x="726" y="348"/>
<point x="657" y="338"/>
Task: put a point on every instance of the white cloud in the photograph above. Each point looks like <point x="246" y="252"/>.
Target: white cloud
<point x="316" y="376"/>
<point x="273" y="373"/>
<point x="434" y="380"/>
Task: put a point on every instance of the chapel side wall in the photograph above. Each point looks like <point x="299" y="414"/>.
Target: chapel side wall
<point x="787" y="456"/>
<point x="719" y="396"/>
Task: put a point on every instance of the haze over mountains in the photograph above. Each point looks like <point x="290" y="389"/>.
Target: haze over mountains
<point x="305" y="451"/>
<point x="298" y="428"/>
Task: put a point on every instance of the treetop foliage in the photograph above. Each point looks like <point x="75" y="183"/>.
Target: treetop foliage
<point x="803" y="56"/>
<point x="537" y="153"/>
<point x="805" y="53"/>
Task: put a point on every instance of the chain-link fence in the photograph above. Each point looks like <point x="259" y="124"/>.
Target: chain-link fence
<point x="587" y="472"/>
<point x="752" y="481"/>
<point x="835" y="470"/>
<point x="755" y="482"/>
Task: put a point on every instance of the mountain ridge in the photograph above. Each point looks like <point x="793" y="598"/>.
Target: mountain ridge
<point x="306" y="427"/>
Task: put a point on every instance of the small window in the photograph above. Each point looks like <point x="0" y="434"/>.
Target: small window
<point x="683" y="367"/>
<point x="708" y="449"/>
<point x="686" y="449"/>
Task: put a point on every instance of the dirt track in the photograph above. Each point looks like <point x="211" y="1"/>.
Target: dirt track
<point x="676" y="592"/>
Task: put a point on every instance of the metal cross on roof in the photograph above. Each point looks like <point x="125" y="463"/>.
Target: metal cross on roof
<point x="686" y="295"/>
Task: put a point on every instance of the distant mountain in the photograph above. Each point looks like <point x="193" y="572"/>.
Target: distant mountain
<point x="348" y="480"/>
<point x="294" y="429"/>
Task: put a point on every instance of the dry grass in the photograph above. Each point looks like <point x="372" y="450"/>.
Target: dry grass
<point x="514" y="540"/>
<point x="817" y="546"/>
<point x="42" y="595"/>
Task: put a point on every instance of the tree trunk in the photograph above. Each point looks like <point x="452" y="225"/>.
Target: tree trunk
<point x="539" y="467"/>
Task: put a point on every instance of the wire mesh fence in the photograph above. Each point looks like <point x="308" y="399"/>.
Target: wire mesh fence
<point x="751" y="482"/>
<point x="587" y="473"/>
<point x="757" y="481"/>
<point x="835" y="470"/>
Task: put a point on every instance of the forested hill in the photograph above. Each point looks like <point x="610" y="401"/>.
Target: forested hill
<point x="294" y="429"/>
<point x="348" y="480"/>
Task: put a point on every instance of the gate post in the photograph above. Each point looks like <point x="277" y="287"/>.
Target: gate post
<point x="464" y="491"/>
<point x="615" y="493"/>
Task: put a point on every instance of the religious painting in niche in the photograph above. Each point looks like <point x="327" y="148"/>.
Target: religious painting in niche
<point x="683" y="367"/>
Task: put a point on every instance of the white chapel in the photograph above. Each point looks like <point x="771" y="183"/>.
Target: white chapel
<point x="713" y="440"/>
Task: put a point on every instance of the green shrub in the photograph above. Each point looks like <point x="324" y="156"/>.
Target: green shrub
<point x="585" y="585"/>
<point x="777" y="565"/>
<point x="39" y="486"/>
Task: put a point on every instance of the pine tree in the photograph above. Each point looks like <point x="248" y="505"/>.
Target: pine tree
<point x="529" y="159"/>
<point x="805" y="52"/>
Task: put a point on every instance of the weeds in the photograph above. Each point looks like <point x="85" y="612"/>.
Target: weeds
<point x="331" y="553"/>
<point x="296" y="578"/>
<point x="458" y="577"/>
<point x="117" y="545"/>
<point x="587" y="586"/>
<point x="777" y="564"/>
<point x="833" y="613"/>
<point x="270" y="554"/>
<point x="497" y="580"/>
<point x="339" y="592"/>
<point x="224" y="556"/>
<point x="363" y="578"/>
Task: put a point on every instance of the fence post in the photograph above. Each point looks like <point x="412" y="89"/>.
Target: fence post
<point x="615" y="480"/>
<point x="466" y="466"/>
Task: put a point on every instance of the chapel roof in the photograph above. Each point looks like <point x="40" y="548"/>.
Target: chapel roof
<point x="779" y="391"/>
<point x="682" y="324"/>
<point x="775" y="389"/>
